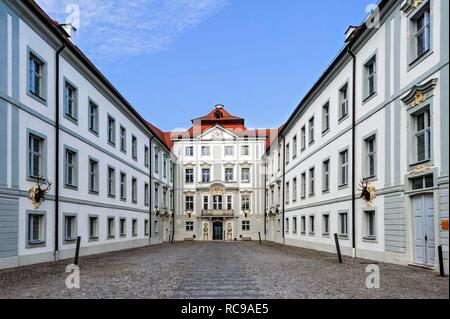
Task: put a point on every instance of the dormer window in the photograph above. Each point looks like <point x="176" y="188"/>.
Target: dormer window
<point x="218" y="115"/>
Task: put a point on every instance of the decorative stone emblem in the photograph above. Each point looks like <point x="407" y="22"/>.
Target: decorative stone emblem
<point x="419" y="98"/>
<point x="217" y="191"/>
<point x="420" y="169"/>
<point x="37" y="193"/>
<point x="368" y="192"/>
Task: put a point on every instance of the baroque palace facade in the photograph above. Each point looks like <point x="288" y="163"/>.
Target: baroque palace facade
<point x="78" y="160"/>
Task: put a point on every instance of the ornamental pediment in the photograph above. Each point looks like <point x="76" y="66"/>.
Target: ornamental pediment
<point x="420" y="93"/>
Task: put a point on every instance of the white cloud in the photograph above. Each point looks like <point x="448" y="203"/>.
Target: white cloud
<point x="132" y="27"/>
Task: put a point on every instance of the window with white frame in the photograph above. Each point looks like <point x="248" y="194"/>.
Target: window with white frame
<point x="370" y="160"/>
<point x="36" y="156"/>
<point x="111" y="182"/>
<point x="245" y="175"/>
<point x="156" y="161"/>
<point x="343" y="102"/>
<point x="326" y="176"/>
<point x="325" y="224"/>
<point x="123" y="186"/>
<point x="422" y="136"/>
<point x="294" y="225"/>
<point x="134" y="227"/>
<point x="123" y="139"/>
<point x="36" y="229"/>
<point x="156" y="197"/>
<point x="93" y="227"/>
<point x="70" y="101"/>
<point x="279" y="159"/>
<point x="326" y="117"/>
<point x="206" y="202"/>
<point x="422" y="33"/>
<point x="146" y="227"/>
<point x="206" y="151"/>
<point x="93" y="117"/>
<point x="229" y="151"/>
<point x="303" y="225"/>
<point x="111" y="231"/>
<point x="217" y="202"/>
<point x="206" y="175"/>
<point x="245" y="225"/>
<point x="189" y="226"/>
<point x="229" y="175"/>
<point x="134" y="197"/>
<point x="71" y="163"/>
<point x="37" y="76"/>
<point x="189" y="175"/>
<point x="370" y="74"/>
<point x="70" y="228"/>
<point x="165" y="166"/>
<point x="422" y="182"/>
<point x="287" y="193"/>
<point x="312" y="225"/>
<point x="134" y="147"/>
<point x="189" y="203"/>
<point x="369" y="225"/>
<point x="311" y="130"/>
<point x="146" y="156"/>
<point x="246" y="203"/>
<point x="245" y="150"/>
<point x="343" y="224"/>
<point x="123" y="227"/>
<point x="303" y="137"/>
<point x="287" y="153"/>
<point x="343" y="168"/>
<point x="286" y="225"/>
<point x="303" y="181"/>
<point x="189" y="151"/>
<point x="93" y="176"/>
<point x="294" y="189"/>
<point x="294" y="147"/>
<point x="230" y="202"/>
<point x="111" y="130"/>
<point x="312" y="181"/>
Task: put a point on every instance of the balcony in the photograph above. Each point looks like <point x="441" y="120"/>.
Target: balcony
<point x="218" y="213"/>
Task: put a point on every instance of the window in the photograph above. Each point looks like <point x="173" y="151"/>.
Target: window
<point x="206" y="151"/>
<point x="343" y="171"/>
<point x="245" y="202"/>
<point x="287" y="153"/>
<point x="294" y="225"/>
<point x="93" y="227"/>
<point x="294" y="190"/>
<point x="146" y="228"/>
<point x="156" y="194"/>
<point x="229" y="202"/>
<point x="36" y="76"/>
<point x="36" y="228"/>
<point x="36" y="156"/>
<point x="70" y="102"/>
<point x="294" y="147"/>
<point x="311" y="130"/>
<point x="370" y="77"/>
<point x="93" y="176"/>
<point x="134" y="190"/>
<point x="111" y="131"/>
<point x="189" y="151"/>
<point x="245" y="175"/>
<point x="229" y="175"/>
<point x="164" y="198"/>
<point x="146" y="194"/>
<point x="287" y="193"/>
<point x="369" y="225"/>
<point x="156" y="161"/>
<point x="165" y="166"/>
<point x="311" y="225"/>
<point x="111" y="182"/>
<point x="71" y="163"/>
<point x="123" y="227"/>
<point x="190" y="226"/>
<point x="123" y="139"/>
<point x="303" y="225"/>
<point x="147" y="156"/>
<point x="370" y="149"/>
<point x="422" y="128"/>
<point x="312" y="181"/>
<point x="343" y="224"/>
<point x="286" y="225"/>
<point x="343" y="102"/>
<point x="189" y="175"/>
<point x="245" y="150"/>
<point x="93" y="117"/>
<point x="303" y="137"/>
<point x="189" y="203"/>
<point x="326" y="176"/>
<point x="326" y="224"/>
<point x="111" y="227"/>
<point x="279" y="159"/>
<point x="245" y="225"/>
<point x="229" y="151"/>
<point x="123" y="186"/>
<point x="205" y="202"/>
<point x="326" y="117"/>
<point x="134" y="147"/>
<point x="423" y="33"/>
<point x="422" y="182"/>
<point x="217" y="202"/>
<point x="206" y="175"/>
<point x="155" y="227"/>
<point x="303" y="180"/>
<point x="134" y="227"/>
<point x="70" y="228"/>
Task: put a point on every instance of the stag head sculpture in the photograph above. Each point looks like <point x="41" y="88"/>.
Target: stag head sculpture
<point x="37" y="193"/>
<point x="368" y="192"/>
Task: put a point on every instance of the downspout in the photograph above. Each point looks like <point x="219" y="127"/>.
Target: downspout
<point x="265" y="199"/>
<point x="353" y="152"/>
<point x="284" y="185"/>
<point x="150" y="160"/>
<point x="173" y="202"/>
<point x="57" y="124"/>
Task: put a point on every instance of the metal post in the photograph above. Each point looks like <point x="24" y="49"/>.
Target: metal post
<point x="441" y="262"/>
<point x="77" y="251"/>
<point x="338" y="248"/>
<point x="260" y="242"/>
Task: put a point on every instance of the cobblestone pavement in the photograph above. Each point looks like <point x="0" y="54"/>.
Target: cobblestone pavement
<point x="220" y="270"/>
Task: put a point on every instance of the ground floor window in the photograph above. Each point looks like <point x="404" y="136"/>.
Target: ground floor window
<point x="245" y="225"/>
<point x="123" y="229"/>
<point x="36" y="228"/>
<point x="70" y="228"/>
<point x="294" y="225"/>
<point x="311" y="225"/>
<point x="190" y="226"/>
<point x="422" y="182"/>
<point x="326" y="225"/>
<point x="146" y="230"/>
<point x="156" y="226"/>
<point x="134" y="227"/>
<point x="343" y="224"/>
<point x="111" y="227"/>
<point x="303" y="225"/>
<point x="369" y="225"/>
<point x="286" y="225"/>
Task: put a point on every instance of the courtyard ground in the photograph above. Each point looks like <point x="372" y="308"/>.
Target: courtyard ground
<point x="220" y="270"/>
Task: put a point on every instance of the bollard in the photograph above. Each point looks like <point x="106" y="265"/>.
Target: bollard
<point x="338" y="248"/>
<point x="77" y="251"/>
<point x="260" y="241"/>
<point x="441" y="262"/>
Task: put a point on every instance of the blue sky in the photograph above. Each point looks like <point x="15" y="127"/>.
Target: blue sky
<point x="175" y="59"/>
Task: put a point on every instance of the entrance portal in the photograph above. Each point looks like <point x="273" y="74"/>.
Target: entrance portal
<point x="218" y="231"/>
<point x="424" y="243"/>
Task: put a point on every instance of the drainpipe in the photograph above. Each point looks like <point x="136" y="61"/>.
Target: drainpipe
<point x="265" y="199"/>
<point x="353" y="152"/>
<point x="150" y="160"/>
<point x="284" y="190"/>
<point x="173" y="201"/>
<point x="56" y="250"/>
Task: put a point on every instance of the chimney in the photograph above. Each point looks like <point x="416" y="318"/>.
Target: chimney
<point x="349" y="32"/>
<point x="70" y="32"/>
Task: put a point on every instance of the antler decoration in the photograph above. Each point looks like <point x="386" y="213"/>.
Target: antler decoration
<point x="368" y="192"/>
<point x="37" y="193"/>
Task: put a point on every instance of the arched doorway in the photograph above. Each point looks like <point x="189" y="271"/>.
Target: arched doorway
<point x="218" y="231"/>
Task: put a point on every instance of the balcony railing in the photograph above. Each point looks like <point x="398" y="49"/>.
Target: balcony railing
<point x="218" y="213"/>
